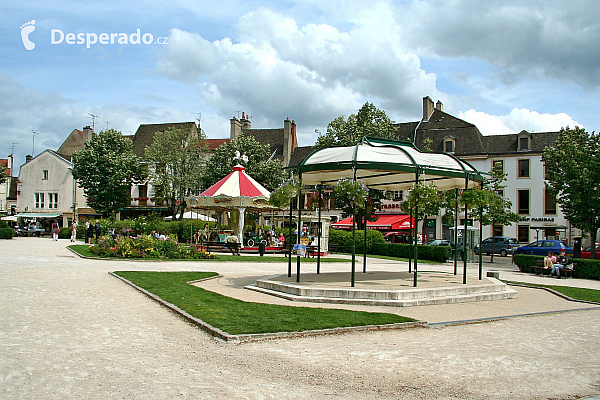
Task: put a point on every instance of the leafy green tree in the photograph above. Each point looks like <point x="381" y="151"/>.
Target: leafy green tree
<point x="572" y="174"/>
<point x="268" y="173"/>
<point x="176" y="167"/>
<point x="488" y="205"/>
<point x="425" y="199"/>
<point x="105" y="169"/>
<point x="370" y="121"/>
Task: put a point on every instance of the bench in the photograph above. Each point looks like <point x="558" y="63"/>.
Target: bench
<point x="568" y="272"/>
<point x="233" y="247"/>
<point x="333" y="247"/>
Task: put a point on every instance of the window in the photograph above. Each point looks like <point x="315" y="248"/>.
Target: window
<point x="550" y="233"/>
<point x="398" y="195"/>
<point x="45" y="174"/>
<point x="499" y="163"/>
<point x="523" y="166"/>
<point x="449" y="145"/>
<point x="52" y="200"/>
<point x="523" y="143"/>
<point x="549" y="203"/>
<point x="498" y="230"/>
<point x="523" y="201"/>
<point x="523" y="233"/>
<point x="39" y="200"/>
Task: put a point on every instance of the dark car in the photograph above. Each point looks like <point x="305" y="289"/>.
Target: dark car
<point x="499" y="244"/>
<point x="542" y="247"/>
<point x="439" y="242"/>
<point x="587" y="252"/>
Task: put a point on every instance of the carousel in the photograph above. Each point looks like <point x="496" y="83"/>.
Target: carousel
<point x="235" y="194"/>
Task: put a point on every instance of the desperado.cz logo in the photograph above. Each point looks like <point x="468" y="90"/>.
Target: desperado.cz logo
<point x="57" y="36"/>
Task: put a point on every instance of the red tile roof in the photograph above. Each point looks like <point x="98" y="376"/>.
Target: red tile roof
<point x="214" y="144"/>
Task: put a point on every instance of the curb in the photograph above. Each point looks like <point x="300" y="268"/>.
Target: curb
<point x="217" y="333"/>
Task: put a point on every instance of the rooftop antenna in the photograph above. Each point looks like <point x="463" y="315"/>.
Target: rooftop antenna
<point x="107" y="124"/>
<point x="239" y="111"/>
<point x="33" y="133"/>
<point x="12" y="150"/>
<point x="93" y="120"/>
<point x="199" y="119"/>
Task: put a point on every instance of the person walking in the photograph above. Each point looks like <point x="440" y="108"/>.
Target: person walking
<point x="54" y="229"/>
<point x="87" y="231"/>
<point x="73" y="229"/>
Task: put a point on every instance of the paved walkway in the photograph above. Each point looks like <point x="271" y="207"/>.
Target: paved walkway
<point x="70" y="330"/>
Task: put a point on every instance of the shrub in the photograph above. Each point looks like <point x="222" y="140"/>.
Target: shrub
<point x="145" y="246"/>
<point x="344" y="240"/>
<point x="432" y="253"/>
<point x="64" y="233"/>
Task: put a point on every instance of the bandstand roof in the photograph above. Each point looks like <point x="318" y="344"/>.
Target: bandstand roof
<point x="387" y="165"/>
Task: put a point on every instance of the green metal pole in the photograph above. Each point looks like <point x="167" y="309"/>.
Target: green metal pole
<point x="410" y="214"/>
<point x="353" y="243"/>
<point x="319" y="232"/>
<point x="365" y="239"/>
<point x="480" y="252"/>
<point x="416" y="230"/>
<point x="290" y="240"/>
<point x="465" y="236"/>
<point x="299" y="229"/>
<point x="455" y="231"/>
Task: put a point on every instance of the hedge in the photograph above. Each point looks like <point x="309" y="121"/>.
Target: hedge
<point x="376" y="245"/>
<point x="401" y="250"/>
<point x="5" y="231"/>
<point x="585" y="269"/>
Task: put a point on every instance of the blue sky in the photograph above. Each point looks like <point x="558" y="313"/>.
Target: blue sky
<point x="505" y="66"/>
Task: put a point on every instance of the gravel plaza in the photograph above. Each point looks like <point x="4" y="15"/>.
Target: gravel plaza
<point x="70" y="330"/>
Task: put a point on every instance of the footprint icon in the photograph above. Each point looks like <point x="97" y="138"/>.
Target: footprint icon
<point x="26" y="29"/>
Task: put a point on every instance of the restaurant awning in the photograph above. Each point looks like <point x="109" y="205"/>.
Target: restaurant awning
<point x="384" y="222"/>
<point x="38" y="215"/>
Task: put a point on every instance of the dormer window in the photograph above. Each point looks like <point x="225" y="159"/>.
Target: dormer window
<point x="449" y="145"/>
<point x="524" y="142"/>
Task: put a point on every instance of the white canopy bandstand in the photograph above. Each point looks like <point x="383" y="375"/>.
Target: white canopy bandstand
<point x="387" y="165"/>
<point x="237" y="191"/>
<point x="193" y="215"/>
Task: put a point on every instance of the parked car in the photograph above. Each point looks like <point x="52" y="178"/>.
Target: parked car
<point x="500" y="245"/>
<point x="587" y="252"/>
<point x="542" y="247"/>
<point x="439" y="242"/>
<point x="397" y="237"/>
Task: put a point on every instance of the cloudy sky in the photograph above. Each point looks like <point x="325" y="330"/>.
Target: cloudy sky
<point x="502" y="65"/>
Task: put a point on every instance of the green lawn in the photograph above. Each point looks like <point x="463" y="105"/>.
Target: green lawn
<point x="574" y="293"/>
<point x="239" y="317"/>
<point x="82" y="249"/>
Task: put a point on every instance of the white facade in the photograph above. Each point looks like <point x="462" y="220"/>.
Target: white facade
<point x="46" y="186"/>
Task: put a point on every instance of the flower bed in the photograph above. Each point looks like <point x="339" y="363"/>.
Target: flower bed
<point x="145" y="246"/>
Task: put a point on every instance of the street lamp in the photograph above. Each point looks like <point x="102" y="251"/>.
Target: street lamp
<point x="74" y="197"/>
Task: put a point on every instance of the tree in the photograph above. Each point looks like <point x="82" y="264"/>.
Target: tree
<point x="423" y="198"/>
<point x="177" y="166"/>
<point x="370" y="121"/>
<point x="572" y="174"/>
<point x="354" y="198"/>
<point x="268" y="173"/>
<point x="106" y="168"/>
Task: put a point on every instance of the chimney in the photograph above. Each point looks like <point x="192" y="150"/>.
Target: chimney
<point x="87" y="133"/>
<point x="246" y="123"/>
<point x="236" y="128"/>
<point x="294" y="138"/>
<point x="439" y="106"/>
<point x="288" y="141"/>
<point x="27" y="158"/>
<point x="427" y="108"/>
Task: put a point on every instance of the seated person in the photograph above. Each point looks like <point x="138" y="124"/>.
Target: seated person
<point x="232" y="239"/>
<point x="549" y="260"/>
<point x="563" y="261"/>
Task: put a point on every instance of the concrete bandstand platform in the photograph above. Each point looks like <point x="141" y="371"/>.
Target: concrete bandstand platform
<point x="380" y="288"/>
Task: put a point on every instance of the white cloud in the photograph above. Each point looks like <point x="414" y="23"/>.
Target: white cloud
<point x="273" y="68"/>
<point x="517" y="120"/>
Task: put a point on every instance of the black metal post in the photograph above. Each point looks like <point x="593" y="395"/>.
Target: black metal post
<point x="353" y="243"/>
<point x="465" y="236"/>
<point x="480" y="233"/>
<point x="410" y="230"/>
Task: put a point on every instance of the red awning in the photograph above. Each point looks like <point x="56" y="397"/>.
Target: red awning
<point x="384" y="222"/>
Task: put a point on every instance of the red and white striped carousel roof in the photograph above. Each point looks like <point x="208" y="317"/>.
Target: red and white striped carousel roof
<point x="237" y="183"/>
